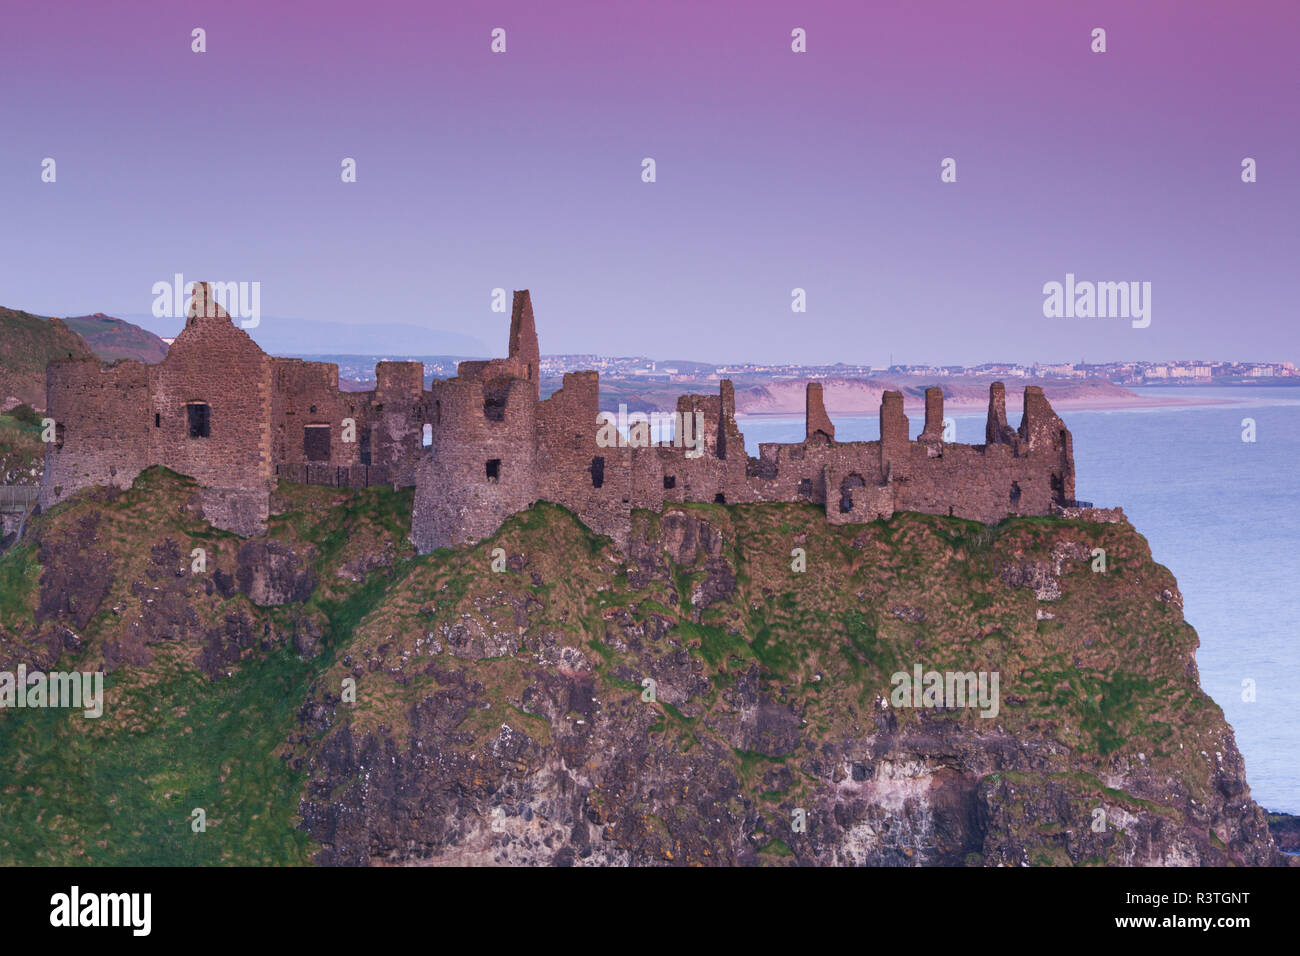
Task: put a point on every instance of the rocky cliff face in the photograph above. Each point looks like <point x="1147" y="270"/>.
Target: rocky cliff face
<point x="543" y="698"/>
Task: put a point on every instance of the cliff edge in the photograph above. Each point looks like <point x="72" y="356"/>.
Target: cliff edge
<point x="725" y="691"/>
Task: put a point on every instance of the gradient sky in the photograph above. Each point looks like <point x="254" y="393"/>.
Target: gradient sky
<point x="775" y="170"/>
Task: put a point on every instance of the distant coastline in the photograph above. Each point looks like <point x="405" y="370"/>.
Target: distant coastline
<point x="847" y="397"/>
<point x="972" y="406"/>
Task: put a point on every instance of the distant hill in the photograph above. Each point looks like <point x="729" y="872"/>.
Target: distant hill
<point x="113" y="339"/>
<point x="27" y="343"/>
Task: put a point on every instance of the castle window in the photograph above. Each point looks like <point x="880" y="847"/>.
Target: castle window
<point x="1015" y="493"/>
<point x="670" y="481"/>
<point x="313" y="409"/>
<point x="719" y="499"/>
<point x="597" y="472"/>
<point x="426" y="436"/>
<point x="157" y="420"/>
<point x="199" y="415"/>
<point x="493" y="470"/>
<point x="495" y="395"/>
<point x="365" y="445"/>
<point x="847" y="487"/>
<point x="805" y="487"/>
<point x="58" y="435"/>
<point x="316" y="442"/>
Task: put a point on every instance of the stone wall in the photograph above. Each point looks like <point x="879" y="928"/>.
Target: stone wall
<point x="1029" y="471"/>
<point x="573" y="469"/>
<point x="266" y="419"/>
<point x="223" y="412"/>
<point x="102" y="426"/>
<point x="481" y="468"/>
<point x="306" y="396"/>
<point x="399" y="410"/>
<point x="213" y="363"/>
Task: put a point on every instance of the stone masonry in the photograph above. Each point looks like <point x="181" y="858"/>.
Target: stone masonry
<point x="219" y="409"/>
<point x="497" y="448"/>
<point x="222" y="411"/>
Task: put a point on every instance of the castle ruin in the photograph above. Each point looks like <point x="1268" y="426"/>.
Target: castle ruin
<point x="219" y="409"/>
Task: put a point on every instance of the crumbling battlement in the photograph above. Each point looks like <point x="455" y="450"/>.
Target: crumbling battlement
<point x="497" y="449"/>
<point x="483" y="445"/>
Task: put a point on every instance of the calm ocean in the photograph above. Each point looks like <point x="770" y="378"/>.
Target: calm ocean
<point x="1222" y="514"/>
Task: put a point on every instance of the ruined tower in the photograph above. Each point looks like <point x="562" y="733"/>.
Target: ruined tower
<point x="997" y="431"/>
<point x="523" y="341"/>
<point x="817" y="422"/>
<point x="481" y="466"/>
<point x="932" y="434"/>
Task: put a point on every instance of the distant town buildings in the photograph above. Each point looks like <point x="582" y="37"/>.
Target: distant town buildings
<point x="1120" y="373"/>
<point x="360" y="369"/>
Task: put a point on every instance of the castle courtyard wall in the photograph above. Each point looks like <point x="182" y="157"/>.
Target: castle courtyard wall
<point x="102" y="417"/>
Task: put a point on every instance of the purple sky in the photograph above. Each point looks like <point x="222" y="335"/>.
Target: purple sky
<point x="775" y="170"/>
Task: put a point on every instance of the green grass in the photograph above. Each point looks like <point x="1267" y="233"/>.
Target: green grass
<point x="717" y="646"/>
<point x="120" y="790"/>
<point x="92" y="791"/>
<point x="20" y="576"/>
<point x="21" y="448"/>
<point x="777" y="848"/>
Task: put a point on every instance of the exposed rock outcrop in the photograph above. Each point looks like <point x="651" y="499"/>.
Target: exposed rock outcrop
<point x="693" y="699"/>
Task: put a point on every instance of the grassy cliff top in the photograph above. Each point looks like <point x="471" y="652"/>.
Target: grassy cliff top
<point x="225" y="685"/>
